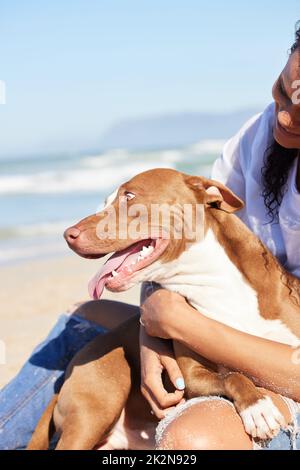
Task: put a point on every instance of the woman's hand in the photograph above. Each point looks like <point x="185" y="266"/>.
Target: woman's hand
<point x="157" y="356"/>
<point x="160" y="313"/>
<point x="258" y="358"/>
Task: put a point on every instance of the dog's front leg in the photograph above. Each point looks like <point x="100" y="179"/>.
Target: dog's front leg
<point x="261" y="418"/>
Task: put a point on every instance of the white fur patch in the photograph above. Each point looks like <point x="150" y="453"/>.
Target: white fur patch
<point x="262" y="420"/>
<point x="124" y="437"/>
<point x="212" y="283"/>
<point x="110" y="199"/>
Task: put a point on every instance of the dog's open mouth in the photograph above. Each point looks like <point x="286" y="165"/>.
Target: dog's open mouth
<point x="122" y="265"/>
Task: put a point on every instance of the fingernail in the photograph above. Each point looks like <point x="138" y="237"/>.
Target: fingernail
<point x="180" y="383"/>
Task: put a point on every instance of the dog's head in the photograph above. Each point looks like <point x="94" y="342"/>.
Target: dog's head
<point x="147" y="220"/>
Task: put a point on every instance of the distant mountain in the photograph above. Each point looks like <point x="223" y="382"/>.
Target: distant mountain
<point x="174" y="130"/>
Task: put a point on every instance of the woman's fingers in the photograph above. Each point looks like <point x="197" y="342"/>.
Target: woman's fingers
<point x="162" y="406"/>
<point x="153" y="382"/>
<point x="156" y="356"/>
<point x="159" y="412"/>
<point x="160" y="400"/>
<point x="174" y="372"/>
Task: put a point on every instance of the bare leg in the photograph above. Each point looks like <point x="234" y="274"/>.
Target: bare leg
<point x="107" y="313"/>
<point x="259" y="414"/>
<point x="212" y="425"/>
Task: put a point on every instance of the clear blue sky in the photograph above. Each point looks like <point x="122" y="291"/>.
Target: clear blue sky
<point x="74" y="67"/>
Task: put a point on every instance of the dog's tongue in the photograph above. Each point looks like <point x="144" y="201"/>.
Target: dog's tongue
<point x="97" y="283"/>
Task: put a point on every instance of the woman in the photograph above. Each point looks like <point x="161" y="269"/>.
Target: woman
<point x="261" y="165"/>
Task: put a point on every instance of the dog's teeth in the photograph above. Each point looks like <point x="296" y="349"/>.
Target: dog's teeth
<point x="146" y="251"/>
<point x="114" y="273"/>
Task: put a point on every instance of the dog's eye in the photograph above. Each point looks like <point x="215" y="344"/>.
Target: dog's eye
<point x="129" y="195"/>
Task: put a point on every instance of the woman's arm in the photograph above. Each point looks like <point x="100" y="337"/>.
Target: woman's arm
<point x="157" y="356"/>
<point x="272" y="365"/>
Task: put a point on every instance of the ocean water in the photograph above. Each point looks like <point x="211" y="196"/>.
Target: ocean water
<point x="41" y="196"/>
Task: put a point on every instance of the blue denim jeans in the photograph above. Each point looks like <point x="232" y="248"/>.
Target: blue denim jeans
<point x="286" y="439"/>
<point x="24" y="399"/>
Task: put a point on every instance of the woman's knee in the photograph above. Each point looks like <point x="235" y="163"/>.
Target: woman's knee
<point x="210" y="425"/>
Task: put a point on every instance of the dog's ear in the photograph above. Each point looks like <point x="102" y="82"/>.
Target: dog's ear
<point x="214" y="194"/>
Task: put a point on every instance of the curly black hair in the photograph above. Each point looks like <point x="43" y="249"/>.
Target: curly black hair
<point x="277" y="164"/>
<point x="297" y="38"/>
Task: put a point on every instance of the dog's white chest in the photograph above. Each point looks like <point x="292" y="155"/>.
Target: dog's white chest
<point x="206" y="276"/>
<point x="123" y="438"/>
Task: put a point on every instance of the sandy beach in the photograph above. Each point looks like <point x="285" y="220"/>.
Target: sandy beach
<point x="32" y="296"/>
<point x="42" y="196"/>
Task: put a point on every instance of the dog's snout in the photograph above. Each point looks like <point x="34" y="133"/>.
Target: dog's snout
<point x="71" y="234"/>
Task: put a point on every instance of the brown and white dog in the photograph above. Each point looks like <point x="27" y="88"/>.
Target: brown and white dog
<point x="227" y="274"/>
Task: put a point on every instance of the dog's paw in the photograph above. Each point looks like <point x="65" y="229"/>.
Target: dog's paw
<point x="263" y="419"/>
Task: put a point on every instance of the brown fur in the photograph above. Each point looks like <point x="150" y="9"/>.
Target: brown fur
<point x="277" y="290"/>
<point x="104" y="377"/>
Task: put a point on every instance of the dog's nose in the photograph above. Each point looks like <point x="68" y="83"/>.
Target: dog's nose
<point x="71" y="234"/>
